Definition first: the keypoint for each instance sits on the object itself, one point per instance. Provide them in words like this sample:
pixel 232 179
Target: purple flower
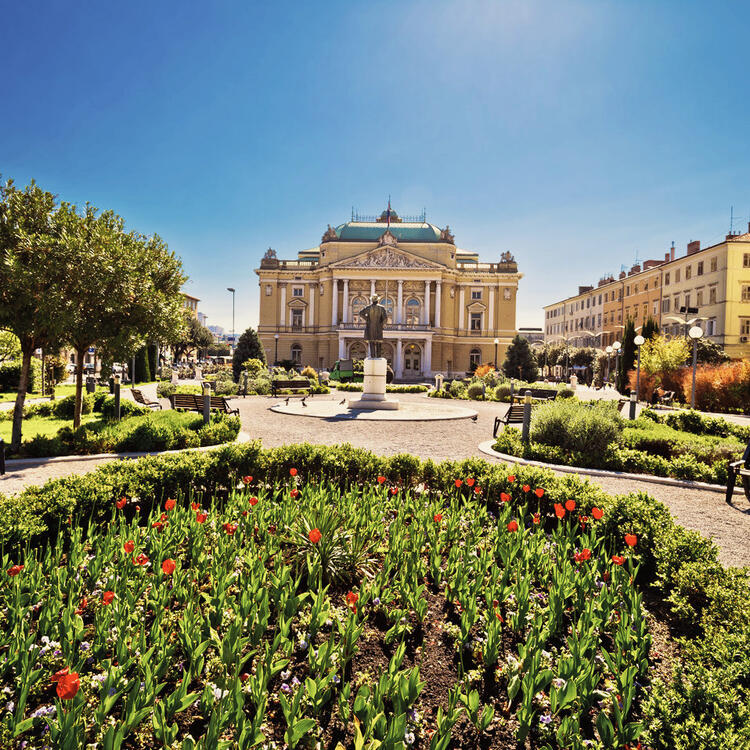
pixel 295 682
pixel 285 688
pixel 545 718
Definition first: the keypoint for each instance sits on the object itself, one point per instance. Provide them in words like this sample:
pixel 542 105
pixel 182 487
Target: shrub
pixel 575 427
pixel 261 386
pixel 222 429
pixel 226 388
pixel 254 367
pixel 165 389
pixel 127 408
pixel 476 390
pixel 502 392
pixel 10 375
pixel 457 389
pixel 565 393
pixel 724 387
pixel 412 388
pixel 65 407
pixel 309 372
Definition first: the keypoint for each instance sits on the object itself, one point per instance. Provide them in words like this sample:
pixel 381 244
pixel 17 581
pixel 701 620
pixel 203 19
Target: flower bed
pixel 346 597
pixel 682 445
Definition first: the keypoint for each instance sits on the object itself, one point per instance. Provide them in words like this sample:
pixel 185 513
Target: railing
pixel 509 267
pixel 389 327
pixel 399 327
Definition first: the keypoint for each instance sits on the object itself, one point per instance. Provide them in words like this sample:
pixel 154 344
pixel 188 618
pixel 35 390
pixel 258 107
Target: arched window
pixel 475 359
pixel 297 354
pixel 72 358
pixel 357 350
pixel 357 304
pixel 413 307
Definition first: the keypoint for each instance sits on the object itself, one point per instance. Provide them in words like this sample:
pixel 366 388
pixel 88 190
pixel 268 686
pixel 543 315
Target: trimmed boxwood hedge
pixel 704 703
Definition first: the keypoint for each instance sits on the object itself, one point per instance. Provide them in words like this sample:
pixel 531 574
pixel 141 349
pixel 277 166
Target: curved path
pixel 703 511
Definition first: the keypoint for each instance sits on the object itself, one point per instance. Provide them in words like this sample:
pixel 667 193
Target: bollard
pixel 116 386
pixel 511 391
pixel 2 457
pixel 632 405
pixel 206 403
pixel 526 417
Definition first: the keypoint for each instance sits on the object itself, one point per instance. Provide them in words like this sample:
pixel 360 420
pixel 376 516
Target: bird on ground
pixel 303 401
pixel 474 418
pixel 287 400
pixel 343 401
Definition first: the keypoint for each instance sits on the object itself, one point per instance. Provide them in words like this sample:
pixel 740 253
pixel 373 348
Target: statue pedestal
pixel 373 393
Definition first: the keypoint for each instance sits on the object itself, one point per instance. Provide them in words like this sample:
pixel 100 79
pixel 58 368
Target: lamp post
pixel 231 289
pixel 695 333
pixel 639 341
pixel 497 341
pixel 616 345
pixel 276 349
pixel 609 354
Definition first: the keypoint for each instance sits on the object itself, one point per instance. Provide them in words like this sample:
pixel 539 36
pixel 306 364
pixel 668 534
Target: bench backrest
pixel 187 401
pixel 138 396
pixel 291 383
pixel 218 402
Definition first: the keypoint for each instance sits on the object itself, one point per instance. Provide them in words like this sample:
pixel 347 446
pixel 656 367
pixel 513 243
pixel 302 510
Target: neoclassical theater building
pixel 446 310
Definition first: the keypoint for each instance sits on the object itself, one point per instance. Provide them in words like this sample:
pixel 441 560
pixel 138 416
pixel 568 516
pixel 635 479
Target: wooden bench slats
pixel 289 385
pixel 141 399
pixel 194 402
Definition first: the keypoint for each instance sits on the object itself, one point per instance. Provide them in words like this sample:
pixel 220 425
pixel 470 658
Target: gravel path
pixel 704 511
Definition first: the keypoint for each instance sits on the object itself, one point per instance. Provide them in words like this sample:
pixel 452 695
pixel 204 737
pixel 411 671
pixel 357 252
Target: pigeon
pixel 303 401
pixel 474 418
pixel 287 400
pixel 343 401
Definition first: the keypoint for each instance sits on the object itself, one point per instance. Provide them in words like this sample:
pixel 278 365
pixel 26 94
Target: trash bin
pixel 90 385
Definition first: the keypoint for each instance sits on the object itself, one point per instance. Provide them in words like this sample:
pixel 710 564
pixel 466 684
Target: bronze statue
pixel 375 316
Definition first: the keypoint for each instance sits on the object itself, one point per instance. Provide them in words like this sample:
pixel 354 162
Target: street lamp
pixel 276 349
pixel 497 341
pixel 616 345
pixel 695 333
pixel 231 289
pixel 609 351
pixel 639 341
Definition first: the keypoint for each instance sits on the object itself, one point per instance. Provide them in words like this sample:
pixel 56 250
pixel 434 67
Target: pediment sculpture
pixel 385 257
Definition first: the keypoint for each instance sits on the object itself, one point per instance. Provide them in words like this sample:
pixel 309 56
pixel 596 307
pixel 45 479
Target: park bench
pixel 140 399
pixel 514 414
pixel 289 385
pixel 194 402
pixel 739 468
pixel 666 398
pixel 537 394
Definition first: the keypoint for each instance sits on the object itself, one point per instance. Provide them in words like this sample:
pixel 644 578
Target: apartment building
pixel 715 280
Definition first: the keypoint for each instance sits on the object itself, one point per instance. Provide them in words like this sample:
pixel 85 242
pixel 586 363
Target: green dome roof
pixel 360 231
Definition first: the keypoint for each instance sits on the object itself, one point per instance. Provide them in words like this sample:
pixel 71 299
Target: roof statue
pixel 388 239
pixel 270 254
pixel 446 235
pixel 269 260
pixel 330 235
pixel 507 258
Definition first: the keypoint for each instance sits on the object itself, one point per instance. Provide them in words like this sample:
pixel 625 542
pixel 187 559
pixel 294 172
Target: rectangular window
pixel 710 326
pixel 476 321
pixel 635 289
pixel 297 291
pixel 665 304
pixel 656 308
pixel 666 278
pixel 296 318
pixel 688 272
pixel 746 260
pixel 645 287
pixel 687 299
pixel 599 324
pixel 269 290
pixel 676 302
pixel 476 294
pixel 606 296
pixel 600 299
pixel 745 327
pixel 712 295
pixel 627 290
pixel 746 292
pixel 677 276
pixel 699 298
pixel 715 263
pixel 700 269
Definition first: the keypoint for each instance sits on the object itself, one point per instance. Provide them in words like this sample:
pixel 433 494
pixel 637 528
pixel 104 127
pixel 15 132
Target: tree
pixel 142 366
pixel 627 355
pixel 710 353
pixel 192 335
pixel 520 361
pixel 662 359
pixel 10 346
pixel 248 347
pixel 650 328
pixel 33 270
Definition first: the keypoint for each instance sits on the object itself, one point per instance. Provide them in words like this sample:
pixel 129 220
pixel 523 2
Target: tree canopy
pixel 248 347
pixel 520 361
pixel 193 335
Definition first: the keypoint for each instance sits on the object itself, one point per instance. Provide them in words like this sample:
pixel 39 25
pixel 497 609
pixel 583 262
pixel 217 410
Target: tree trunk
pixel 79 388
pixel 23 383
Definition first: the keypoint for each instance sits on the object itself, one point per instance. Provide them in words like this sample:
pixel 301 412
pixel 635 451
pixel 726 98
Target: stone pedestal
pixel 373 393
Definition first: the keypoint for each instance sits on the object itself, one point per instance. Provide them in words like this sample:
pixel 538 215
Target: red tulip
pixel 108 596
pixel 59 674
pixel 618 559
pixel 247 479
pixel 438 517
pixel 169 505
pixel 245 676
pixel 314 536
pixel 244 513
pixel 138 508
pixel 458 482
pixel 504 497
pixel 470 481
pixel 539 492
pixel 158 525
pixel 570 505
pixel 230 528
pixel 129 546
pixel 597 513
pixel 15 570
pixel 559 511
pixel 168 566
pixel 477 490
pixel 537 518
pixel 201 517
pixel 272 528
pixel 381 479
pixel 351 599
pixel 584 554
pixel 513 526
pixel 294 492
pixel 605 576
pixel 631 540
pixel 82 606
pixel 293 472
pixel 394 490
pixel 68 686
pixel 121 503
pixel 584 520
pixel 526 488
pixel 140 560
pixel 253 500
pixel 195 506
pixel 511 477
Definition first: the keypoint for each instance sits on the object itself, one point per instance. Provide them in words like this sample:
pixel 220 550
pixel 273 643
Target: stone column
pixel 461 309
pixel 372 287
pixel 282 304
pixel 427 359
pixel 345 303
pixel 491 312
pixel 335 303
pixel 311 313
pixel 398 365
pixel 342 348
pixel 438 295
pixel 426 310
pixel 400 303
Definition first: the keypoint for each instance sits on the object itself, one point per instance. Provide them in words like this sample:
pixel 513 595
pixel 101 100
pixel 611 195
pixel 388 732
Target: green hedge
pixel 703 703
pixel 10 374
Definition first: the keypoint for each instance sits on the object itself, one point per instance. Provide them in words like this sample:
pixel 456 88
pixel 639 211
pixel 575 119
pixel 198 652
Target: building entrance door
pixel 412 361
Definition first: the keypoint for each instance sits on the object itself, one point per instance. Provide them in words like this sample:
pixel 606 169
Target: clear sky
pixel 573 134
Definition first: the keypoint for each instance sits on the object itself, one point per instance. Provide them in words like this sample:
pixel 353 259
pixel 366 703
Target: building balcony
pixel 391 328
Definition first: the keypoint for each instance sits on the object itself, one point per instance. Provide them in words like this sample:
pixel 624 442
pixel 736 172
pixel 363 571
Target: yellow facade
pixel 445 308
pixel 715 279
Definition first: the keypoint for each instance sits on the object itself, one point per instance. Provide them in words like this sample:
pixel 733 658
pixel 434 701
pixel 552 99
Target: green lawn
pixel 47 426
pixel 66 389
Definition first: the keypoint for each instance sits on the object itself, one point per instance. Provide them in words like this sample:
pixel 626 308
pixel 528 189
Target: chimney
pixel 584 289
pixel 635 269
pixel 651 264
pixel 671 252
pixel 666 257
pixel 693 247
pixel 622 275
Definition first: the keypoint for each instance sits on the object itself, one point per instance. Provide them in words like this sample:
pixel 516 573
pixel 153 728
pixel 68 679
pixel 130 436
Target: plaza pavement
pixel 704 511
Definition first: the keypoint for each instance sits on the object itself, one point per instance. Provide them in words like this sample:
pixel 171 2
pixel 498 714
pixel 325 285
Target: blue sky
pixel 574 134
